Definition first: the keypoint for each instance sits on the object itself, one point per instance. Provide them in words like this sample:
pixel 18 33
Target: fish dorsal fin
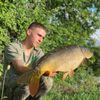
pixel 71 73
pixel 65 75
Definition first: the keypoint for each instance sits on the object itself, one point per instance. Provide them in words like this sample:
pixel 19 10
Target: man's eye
pixel 39 35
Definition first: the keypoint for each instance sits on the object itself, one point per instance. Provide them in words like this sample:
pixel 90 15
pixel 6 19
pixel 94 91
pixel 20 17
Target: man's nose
pixel 40 39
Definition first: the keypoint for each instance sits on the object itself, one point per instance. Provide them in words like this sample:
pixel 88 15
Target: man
pixel 21 56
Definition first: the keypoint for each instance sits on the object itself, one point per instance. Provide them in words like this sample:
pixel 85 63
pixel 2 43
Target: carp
pixel 65 59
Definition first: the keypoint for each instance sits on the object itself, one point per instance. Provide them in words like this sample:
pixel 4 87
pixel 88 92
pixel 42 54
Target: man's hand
pixel 19 66
pixel 50 74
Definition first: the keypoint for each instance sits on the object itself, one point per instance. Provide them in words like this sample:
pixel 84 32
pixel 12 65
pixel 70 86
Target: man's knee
pixel 46 83
pixel 21 93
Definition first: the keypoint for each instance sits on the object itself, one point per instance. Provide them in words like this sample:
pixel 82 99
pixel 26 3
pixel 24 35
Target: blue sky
pixel 96 36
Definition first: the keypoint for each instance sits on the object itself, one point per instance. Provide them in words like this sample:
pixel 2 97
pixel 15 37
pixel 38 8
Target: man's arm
pixel 13 57
pixel 19 66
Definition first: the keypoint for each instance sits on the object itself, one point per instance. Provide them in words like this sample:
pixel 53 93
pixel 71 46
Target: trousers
pixel 21 92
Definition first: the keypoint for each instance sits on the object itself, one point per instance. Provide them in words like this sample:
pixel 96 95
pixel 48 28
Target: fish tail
pixel 34 85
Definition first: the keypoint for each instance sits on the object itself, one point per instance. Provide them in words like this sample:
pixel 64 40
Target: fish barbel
pixel 65 59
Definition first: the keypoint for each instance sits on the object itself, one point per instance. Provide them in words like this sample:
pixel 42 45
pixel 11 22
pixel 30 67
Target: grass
pixel 82 86
pixel 76 96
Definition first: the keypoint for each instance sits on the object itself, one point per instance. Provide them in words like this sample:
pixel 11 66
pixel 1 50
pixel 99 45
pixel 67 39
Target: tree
pixel 69 22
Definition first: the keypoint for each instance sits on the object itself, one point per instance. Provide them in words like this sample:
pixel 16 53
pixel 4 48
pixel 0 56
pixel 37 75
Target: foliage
pixel 0 69
pixel 69 22
pixel 96 62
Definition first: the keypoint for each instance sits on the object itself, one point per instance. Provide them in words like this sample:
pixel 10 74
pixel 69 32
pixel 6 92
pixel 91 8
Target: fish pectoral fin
pixel 34 85
pixel 65 75
pixel 46 73
pixel 50 73
pixel 71 73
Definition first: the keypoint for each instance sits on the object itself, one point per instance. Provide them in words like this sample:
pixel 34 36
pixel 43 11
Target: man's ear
pixel 28 32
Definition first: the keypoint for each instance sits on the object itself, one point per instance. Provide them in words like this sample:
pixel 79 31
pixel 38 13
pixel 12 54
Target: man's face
pixel 36 36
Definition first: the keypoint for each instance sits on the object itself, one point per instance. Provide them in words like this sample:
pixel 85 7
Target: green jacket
pixel 15 50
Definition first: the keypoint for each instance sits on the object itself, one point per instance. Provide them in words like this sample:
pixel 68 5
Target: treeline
pixel 69 22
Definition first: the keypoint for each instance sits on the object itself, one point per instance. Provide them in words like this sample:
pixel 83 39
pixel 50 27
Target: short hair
pixel 37 25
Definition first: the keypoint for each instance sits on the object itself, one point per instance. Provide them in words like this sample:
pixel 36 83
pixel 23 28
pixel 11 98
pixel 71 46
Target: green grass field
pixel 82 86
pixel 70 93
pixel 76 96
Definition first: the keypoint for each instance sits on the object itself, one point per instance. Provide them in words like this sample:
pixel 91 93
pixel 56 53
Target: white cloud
pixel 97 43
pixel 96 35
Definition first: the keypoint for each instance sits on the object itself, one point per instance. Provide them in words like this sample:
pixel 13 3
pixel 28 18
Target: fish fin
pixel 50 73
pixel 34 85
pixel 46 73
pixel 25 78
pixel 65 75
pixel 71 73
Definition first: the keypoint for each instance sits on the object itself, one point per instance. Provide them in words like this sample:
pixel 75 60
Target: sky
pixel 96 36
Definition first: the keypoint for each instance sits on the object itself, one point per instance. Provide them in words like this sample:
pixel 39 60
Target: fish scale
pixel 65 59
